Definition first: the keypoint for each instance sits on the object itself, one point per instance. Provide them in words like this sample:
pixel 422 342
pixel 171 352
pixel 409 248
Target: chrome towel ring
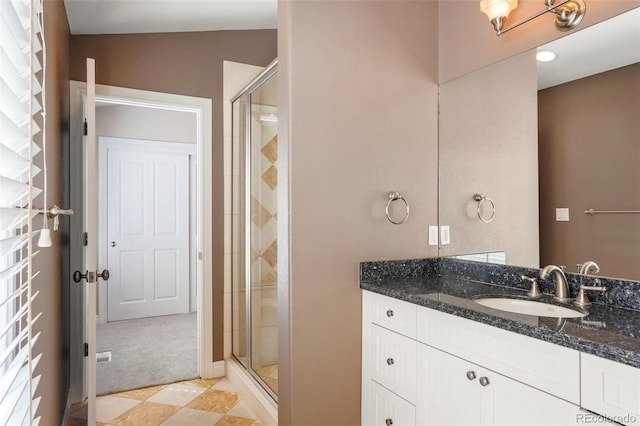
pixel 394 196
pixel 480 199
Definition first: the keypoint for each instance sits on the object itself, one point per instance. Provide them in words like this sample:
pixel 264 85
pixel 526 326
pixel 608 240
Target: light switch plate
pixel 433 235
pixel 445 237
pixel 562 214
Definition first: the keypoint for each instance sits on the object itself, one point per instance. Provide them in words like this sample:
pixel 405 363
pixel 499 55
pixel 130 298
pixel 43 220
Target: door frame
pixel 105 143
pixel 202 107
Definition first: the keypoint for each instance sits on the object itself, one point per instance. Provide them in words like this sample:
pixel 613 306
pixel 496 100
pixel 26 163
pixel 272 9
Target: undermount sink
pixel 529 307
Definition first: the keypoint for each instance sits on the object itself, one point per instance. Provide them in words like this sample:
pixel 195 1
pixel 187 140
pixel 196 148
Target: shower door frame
pixel 269 72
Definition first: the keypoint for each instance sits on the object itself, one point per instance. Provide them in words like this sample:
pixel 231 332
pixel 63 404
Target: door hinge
pixel 86 127
pixel 86 349
pixel 86 239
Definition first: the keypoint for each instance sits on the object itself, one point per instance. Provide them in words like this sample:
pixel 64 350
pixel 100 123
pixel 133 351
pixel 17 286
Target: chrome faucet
pixel 562 287
pixel 588 267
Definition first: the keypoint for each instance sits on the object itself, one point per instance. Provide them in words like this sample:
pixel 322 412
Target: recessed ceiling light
pixel 545 56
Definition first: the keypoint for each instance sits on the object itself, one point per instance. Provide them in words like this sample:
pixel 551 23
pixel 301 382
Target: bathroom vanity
pixel 433 356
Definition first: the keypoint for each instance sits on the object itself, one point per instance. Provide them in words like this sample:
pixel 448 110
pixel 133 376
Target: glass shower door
pixel 254 238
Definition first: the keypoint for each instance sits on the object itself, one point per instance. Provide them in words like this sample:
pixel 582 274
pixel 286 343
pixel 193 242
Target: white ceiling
pixel 610 44
pixel 158 16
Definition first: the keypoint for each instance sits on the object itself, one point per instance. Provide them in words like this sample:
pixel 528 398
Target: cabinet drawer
pixel 392 359
pixel 394 314
pixel 387 408
pixel 611 389
pixel 542 365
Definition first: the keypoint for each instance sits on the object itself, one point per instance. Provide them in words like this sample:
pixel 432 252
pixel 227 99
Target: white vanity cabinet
pixel 452 391
pixel 424 367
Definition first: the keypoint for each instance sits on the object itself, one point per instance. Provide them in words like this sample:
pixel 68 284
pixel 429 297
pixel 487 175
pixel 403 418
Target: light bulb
pixel 498 11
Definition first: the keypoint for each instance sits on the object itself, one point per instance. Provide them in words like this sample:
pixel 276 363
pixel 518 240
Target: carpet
pixel 147 352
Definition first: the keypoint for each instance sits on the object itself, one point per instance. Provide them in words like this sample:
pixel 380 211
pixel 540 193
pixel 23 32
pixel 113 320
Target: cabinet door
pixel 611 389
pixel 389 409
pixel 392 359
pixel 448 392
pixel 506 402
pixel 452 391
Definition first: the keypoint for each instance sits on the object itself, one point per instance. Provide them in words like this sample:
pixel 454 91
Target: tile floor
pixel 192 402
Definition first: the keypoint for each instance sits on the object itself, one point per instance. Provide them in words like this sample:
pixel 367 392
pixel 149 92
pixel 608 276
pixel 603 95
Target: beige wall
pixel 135 122
pixel 358 119
pixel 186 64
pixel 589 158
pixel 53 300
pixel 468 41
pixel 489 145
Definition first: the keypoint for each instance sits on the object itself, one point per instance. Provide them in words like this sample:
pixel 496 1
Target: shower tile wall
pixel 264 236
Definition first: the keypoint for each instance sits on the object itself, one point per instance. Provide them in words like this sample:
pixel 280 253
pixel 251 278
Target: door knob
pixel 104 274
pixel 471 375
pixel 484 381
pixel 113 244
pixel 79 276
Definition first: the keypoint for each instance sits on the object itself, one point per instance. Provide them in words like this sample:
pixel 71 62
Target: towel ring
pixel 481 199
pixel 393 196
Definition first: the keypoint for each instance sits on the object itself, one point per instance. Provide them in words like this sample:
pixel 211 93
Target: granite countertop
pixel 607 331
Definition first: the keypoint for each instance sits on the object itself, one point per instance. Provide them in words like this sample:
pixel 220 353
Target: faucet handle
pixel 535 290
pixel 583 299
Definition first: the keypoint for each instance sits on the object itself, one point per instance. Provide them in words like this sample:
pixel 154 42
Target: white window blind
pixel 20 89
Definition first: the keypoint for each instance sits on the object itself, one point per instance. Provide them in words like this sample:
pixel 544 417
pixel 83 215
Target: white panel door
pixel 148 234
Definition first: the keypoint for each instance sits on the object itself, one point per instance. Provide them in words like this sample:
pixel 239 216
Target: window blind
pixel 21 43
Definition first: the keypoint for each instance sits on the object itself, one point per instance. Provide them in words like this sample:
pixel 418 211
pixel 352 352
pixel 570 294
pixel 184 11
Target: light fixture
pixel 545 56
pixel 569 13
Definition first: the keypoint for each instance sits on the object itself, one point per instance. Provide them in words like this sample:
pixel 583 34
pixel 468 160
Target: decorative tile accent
pixel 270 255
pixel 271 277
pixel 146 413
pixel 270 149
pixel 259 215
pixel 214 400
pixel 270 177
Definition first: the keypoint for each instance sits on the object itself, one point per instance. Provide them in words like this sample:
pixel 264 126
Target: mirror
pixel 542 154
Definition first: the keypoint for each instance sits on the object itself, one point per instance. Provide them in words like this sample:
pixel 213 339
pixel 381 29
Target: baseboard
pixel 262 405
pixel 67 408
pixel 213 369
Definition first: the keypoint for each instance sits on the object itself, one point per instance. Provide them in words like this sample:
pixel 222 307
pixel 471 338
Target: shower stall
pixel 254 241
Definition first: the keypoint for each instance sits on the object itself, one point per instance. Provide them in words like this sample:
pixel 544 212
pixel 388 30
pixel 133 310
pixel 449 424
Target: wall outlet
pixel 562 214
pixel 445 236
pixel 433 235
